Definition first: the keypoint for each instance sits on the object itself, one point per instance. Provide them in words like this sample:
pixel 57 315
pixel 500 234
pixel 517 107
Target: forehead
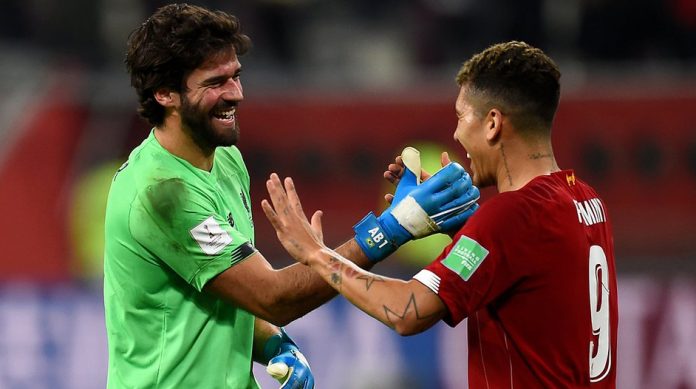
pixel 463 99
pixel 223 62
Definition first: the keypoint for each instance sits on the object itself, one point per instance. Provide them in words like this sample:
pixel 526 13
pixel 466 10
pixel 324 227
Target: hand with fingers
pixel 397 169
pixel 299 237
pixel 441 203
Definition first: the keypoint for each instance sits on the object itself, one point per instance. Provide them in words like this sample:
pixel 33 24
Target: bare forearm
pixel 277 296
pixel 307 290
pixel 406 307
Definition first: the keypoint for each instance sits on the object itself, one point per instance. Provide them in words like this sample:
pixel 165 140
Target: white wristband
pixel 413 218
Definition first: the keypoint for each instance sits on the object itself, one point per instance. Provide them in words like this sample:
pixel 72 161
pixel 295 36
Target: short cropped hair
pixel 173 42
pixel 519 79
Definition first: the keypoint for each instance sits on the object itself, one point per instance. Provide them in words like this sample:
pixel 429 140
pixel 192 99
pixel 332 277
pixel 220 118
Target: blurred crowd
pixel 396 39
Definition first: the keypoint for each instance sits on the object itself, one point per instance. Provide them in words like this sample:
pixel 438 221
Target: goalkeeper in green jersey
pixel 189 301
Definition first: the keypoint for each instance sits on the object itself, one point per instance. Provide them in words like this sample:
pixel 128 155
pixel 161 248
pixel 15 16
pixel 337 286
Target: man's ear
pixel 494 125
pixel 167 97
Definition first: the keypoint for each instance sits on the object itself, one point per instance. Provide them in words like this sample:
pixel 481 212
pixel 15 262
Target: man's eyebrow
pixel 220 78
pixel 214 80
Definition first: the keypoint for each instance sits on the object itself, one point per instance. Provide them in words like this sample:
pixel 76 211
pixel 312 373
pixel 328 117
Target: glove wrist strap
pixel 373 239
pixel 274 345
pixel 271 347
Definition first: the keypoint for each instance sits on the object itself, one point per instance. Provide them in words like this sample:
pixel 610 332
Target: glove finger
pixel 459 203
pixel 302 378
pixel 450 213
pixel 457 191
pixel 454 213
pixel 297 379
pixel 460 180
pixel 458 220
pixel 277 370
pixel 445 176
pixel 292 384
pixel 411 159
pixel 439 190
pixel 310 382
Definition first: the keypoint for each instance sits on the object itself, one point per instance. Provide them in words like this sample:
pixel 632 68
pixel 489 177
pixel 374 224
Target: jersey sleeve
pixel 476 268
pixel 178 224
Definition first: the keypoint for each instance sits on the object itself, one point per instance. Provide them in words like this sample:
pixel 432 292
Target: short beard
pixel 197 123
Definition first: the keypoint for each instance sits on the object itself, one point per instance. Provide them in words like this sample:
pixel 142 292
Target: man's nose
pixel 233 90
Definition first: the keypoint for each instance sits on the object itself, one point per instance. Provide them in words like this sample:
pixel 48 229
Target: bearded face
pixel 209 101
pixel 210 127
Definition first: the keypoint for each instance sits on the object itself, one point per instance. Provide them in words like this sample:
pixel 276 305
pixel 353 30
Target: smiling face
pixel 210 99
pixel 472 131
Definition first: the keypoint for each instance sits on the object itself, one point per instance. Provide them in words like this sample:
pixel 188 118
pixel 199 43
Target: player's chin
pixel 476 178
pixel 226 135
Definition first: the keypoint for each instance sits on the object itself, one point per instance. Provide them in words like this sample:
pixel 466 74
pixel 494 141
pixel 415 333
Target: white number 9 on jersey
pixel 600 352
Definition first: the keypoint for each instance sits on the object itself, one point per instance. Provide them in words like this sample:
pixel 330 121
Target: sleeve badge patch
pixel 465 257
pixel 210 236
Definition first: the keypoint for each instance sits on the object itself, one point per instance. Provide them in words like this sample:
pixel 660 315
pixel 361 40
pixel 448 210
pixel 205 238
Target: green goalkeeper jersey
pixel 170 228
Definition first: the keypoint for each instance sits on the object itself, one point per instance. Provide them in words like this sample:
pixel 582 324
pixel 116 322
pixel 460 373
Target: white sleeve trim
pixel 429 279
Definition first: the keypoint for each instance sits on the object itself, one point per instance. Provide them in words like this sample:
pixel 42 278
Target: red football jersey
pixel 533 270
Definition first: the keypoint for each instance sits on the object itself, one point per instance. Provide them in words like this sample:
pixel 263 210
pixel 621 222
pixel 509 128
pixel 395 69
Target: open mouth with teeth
pixel 227 114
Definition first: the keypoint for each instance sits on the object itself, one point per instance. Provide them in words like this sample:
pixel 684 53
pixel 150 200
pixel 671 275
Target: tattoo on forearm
pixel 505 162
pixel 336 268
pixel 369 280
pixel 351 272
pixel 410 306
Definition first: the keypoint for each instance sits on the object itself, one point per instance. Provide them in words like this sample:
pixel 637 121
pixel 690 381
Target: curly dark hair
pixel 173 42
pixel 518 78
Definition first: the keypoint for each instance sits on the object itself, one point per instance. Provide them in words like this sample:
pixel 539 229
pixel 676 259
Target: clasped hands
pixel 442 202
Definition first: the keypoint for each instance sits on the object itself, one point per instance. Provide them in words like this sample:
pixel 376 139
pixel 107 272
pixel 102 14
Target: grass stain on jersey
pixel 166 197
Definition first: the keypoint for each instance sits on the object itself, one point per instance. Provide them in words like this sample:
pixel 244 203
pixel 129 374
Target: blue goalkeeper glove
pixel 286 363
pixel 442 203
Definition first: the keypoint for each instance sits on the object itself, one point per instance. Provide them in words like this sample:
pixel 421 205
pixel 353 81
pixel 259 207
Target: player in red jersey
pixel 532 269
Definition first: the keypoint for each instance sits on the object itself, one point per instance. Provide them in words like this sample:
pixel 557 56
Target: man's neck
pixel 174 140
pixel 520 162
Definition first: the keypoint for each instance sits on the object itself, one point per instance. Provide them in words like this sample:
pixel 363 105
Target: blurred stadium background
pixel 334 89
